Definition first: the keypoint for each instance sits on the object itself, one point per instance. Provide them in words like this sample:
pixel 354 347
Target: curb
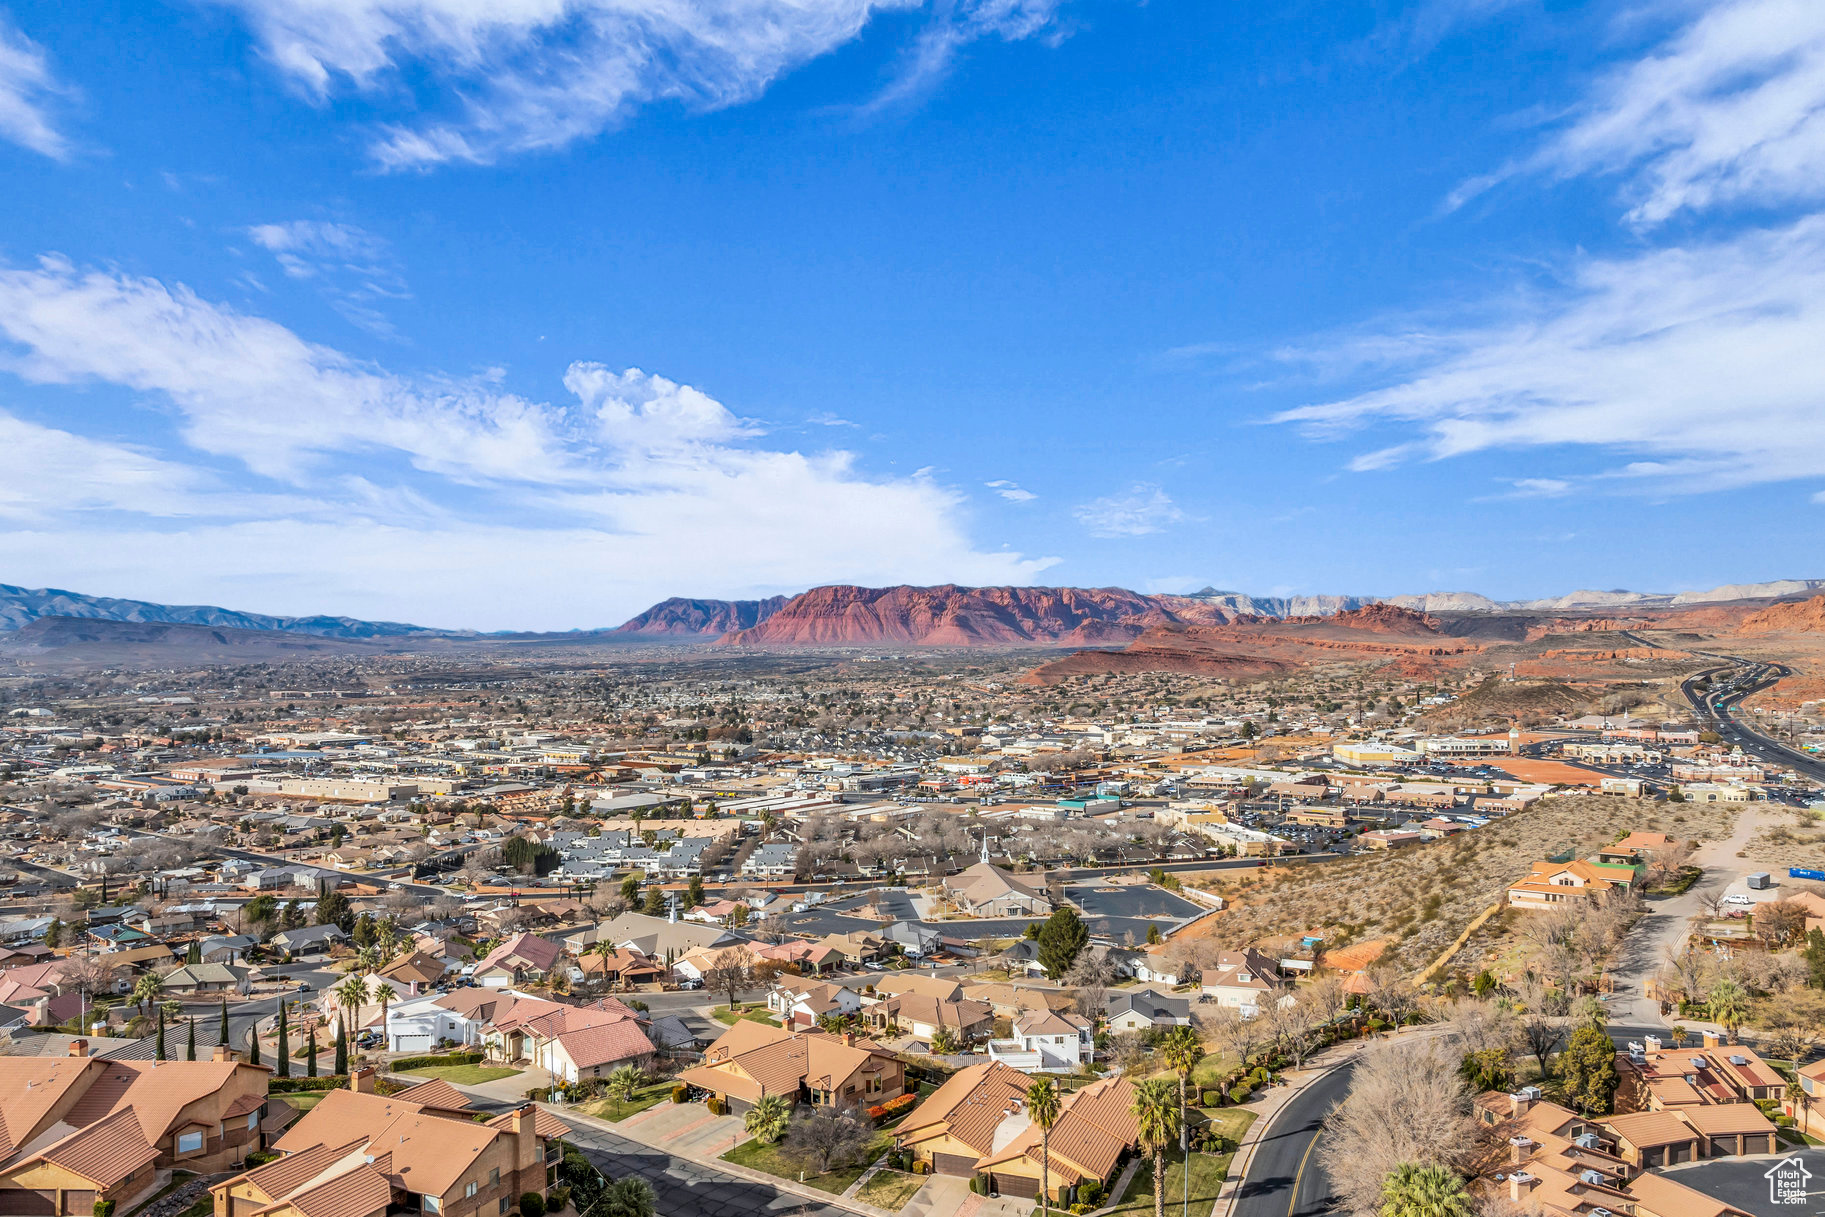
pixel 1245 1153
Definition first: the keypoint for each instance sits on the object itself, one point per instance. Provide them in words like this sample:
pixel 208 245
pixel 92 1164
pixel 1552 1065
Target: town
pixel 895 933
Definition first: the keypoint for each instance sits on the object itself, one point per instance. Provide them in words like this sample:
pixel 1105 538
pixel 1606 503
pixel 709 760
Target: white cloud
pixel 411 491
pixel 27 87
pixel 1011 491
pixel 1706 364
pixel 1143 509
pixel 540 74
pixel 1540 488
pixel 354 269
pixel 1730 109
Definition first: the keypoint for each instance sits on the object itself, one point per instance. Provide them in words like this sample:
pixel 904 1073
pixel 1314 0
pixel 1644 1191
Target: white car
pixel 1738 899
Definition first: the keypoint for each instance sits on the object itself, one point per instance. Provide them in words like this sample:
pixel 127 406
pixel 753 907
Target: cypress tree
pixel 253 1045
pixel 284 1049
pixel 160 1047
pixel 310 1059
pixel 190 1048
pixel 223 1033
pixel 342 1047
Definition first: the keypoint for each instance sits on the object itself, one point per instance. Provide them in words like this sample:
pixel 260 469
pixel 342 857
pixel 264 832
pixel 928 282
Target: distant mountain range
pixel 20 606
pixel 841 615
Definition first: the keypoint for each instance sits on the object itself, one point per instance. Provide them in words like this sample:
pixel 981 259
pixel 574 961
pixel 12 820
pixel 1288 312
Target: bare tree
pixel 1088 980
pixel 1406 1104
pixel 828 1138
pixel 731 973
pixel 1543 1018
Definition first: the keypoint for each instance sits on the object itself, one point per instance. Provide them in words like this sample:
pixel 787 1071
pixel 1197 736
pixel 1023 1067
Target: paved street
pixel 1284 1177
pixel 1744 1182
pixel 689 1189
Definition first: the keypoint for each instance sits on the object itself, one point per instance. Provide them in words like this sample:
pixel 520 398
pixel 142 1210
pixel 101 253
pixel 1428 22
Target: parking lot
pixel 1128 901
pixel 1745 1182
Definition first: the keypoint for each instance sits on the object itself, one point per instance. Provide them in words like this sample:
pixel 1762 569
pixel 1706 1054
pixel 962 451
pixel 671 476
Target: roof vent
pixel 1591 1177
pixel 1587 1140
pixel 1698 1062
pixel 1739 1060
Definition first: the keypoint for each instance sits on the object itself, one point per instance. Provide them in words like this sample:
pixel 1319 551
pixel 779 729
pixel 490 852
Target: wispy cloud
pixel 1142 509
pixel 28 89
pixel 354 269
pixel 1011 491
pixel 539 74
pixel 1706 364
pixel 1729 110
pixel 633 487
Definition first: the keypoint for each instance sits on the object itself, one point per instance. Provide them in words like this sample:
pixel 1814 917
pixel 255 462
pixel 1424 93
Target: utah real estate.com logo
pixel 1787 1181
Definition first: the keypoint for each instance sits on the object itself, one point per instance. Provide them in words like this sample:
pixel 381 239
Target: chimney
pixel 849 1039
pixel 1713 1040
pixel 1519 1184
pixel 1521 1147
pixel 224 1053
pixel 79 1047
pixel 526 1142
pixel 362 1080
pixel 1651 1042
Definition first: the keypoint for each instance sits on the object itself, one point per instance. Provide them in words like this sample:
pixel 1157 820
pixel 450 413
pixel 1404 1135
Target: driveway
pixel 1745 1182
pixel 942 1196
pixel 684 1128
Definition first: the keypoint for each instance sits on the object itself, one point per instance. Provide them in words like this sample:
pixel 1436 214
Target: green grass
pixel 772 1160
pixel 1206 1181
pixel 614 1110
pixel 1216 1066
pixel 890 1189
pixel 1231 1122
pixel 462 1075
pixel 754 1014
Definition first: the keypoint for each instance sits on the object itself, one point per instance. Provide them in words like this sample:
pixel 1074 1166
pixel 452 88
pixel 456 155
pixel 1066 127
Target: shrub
pixel 1080 1208
pixel 104 1208
pixel 292 1085
pixel 1210 1098
pixel 532 1205
pixel 680 1093
pixel 893 1107
pixel 1090 1193
pixel 559 1197
pixel 425 1062
pixel 1238 1094
pixel 717 1106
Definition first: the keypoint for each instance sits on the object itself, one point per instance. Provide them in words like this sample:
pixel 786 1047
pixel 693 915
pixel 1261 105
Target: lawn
pixel 1207 1172
pixel 772 1159
pixel 890 1189
pixel 645 1097
pixel 754 1014
pixel 1231 1122
pixel 461 1075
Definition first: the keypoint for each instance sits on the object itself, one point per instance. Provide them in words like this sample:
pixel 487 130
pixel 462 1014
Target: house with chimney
pixel 751 1060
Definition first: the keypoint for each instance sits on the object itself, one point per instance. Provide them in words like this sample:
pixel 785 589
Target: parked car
pixel 691 982
pixel 1736 898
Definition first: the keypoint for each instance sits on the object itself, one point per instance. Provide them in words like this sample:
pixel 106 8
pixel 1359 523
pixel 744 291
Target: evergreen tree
pixel 190 1046
pixel 195 954
pixel 159 1048
pixel 342 1048
pixel 695 895
pixel 310 1053
pixel 283 1052
pixel 1588 1066
pixel 1060 939
pixel 630 889
pixel 1814 955
pixel 333 909
pixel 222 1033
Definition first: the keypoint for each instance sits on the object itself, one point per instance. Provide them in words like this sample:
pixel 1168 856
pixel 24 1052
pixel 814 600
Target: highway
pixel 1735 679
pixel 1284 1177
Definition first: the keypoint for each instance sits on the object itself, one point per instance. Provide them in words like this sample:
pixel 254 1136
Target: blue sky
pixel 369 306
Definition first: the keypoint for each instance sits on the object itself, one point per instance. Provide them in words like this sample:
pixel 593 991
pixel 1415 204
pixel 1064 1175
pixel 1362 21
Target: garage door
pixel 27 1202
pixel 1679 1153
pixel 953 1164
pixel 1760 1144
pixel 1016 1185
pixel 1653 1157
pixel 1723 1147
pixel 78 1202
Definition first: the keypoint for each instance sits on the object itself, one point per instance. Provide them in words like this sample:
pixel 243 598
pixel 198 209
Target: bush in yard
pixel 532 1205
pixel 680 1093
pixel 427 1062
pixel 104 1208
pixel 1238 1094
pixel 1210 1098
pixel 559 1197
pixel 1090 1193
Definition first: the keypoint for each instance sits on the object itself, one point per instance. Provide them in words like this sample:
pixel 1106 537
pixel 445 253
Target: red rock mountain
pixel 1789 617
pixel 682 617
pixel 968 616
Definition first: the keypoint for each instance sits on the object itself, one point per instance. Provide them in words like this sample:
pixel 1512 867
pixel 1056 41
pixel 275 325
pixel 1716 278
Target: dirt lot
pixel 1422 897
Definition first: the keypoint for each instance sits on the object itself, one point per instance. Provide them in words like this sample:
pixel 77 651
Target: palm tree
pixel 766 1121
pixel 623 1082
pixel 1729 1006
pixel 944 1043
pixel 1182 1052
pixel 147 990
pixel 383 997
pixel 351 995
pixel 1159 1127
pixel 1042 1109
pixel 1412 1190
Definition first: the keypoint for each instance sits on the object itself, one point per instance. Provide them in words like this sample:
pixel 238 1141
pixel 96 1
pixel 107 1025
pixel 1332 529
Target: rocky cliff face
pixel 682 617
pixel 958 616
pixel 1792 617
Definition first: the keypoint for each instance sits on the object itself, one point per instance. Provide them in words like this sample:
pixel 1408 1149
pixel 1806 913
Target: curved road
pixel 1717 706
pixel 1284 1177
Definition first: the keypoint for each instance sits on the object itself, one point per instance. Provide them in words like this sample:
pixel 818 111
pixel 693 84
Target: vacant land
pixel 1419 899
pixel 889 1190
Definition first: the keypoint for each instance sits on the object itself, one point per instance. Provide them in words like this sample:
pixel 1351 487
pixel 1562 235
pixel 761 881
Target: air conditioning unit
pixel 1595 1177
pixel 1739 1061
pixel 1588 1140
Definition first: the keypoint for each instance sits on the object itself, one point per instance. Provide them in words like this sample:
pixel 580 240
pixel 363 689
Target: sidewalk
pixel 791 1187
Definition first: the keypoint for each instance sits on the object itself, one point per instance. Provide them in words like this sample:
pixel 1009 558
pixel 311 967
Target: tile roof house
pixel 800 1002
pixel 521 958
pixel 1246 981
pixel 1553 884
pixel 1046 1041
pixel 753 1059
pixel 955 1126
pixel 357 1154
pixel 76 1129
pixel 922 1016
pixel 1095 1131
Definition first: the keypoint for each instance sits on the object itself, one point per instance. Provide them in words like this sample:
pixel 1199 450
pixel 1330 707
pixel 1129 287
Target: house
pixel 309 942
pixel 620 967
pixel 751 1060
pixel 800 1002
pixel 1145 1009
pixel 983 890
pixel 1554 884
pixel 1634 849
pixel 1659 1079
pixel 80 1129
pixel 226 949
pixel 653 937
pixel 1246 981
pixel 941 988
pixel 521 958
pixel 955 1127
pixel 208 978
pixel 415 969
pixel 857 947
pixel 357 1154
pixel 1095 1133
pixel 774 860
pixel 1046 1041
pixel 569 1042
pixel 914 940
pixel 923 1017
pixel 1654 1138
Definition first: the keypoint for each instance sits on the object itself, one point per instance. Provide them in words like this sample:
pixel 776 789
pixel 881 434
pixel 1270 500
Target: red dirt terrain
pixel 1253 647
pixel 1790 617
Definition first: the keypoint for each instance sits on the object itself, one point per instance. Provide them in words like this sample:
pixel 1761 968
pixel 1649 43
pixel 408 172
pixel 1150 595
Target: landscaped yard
pixel 773 1160
pixel 755 1014
pixel 889 1189
pixel 461 1075
pixel 645 1097
pixel 1207 1172
pixel 1231 1122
